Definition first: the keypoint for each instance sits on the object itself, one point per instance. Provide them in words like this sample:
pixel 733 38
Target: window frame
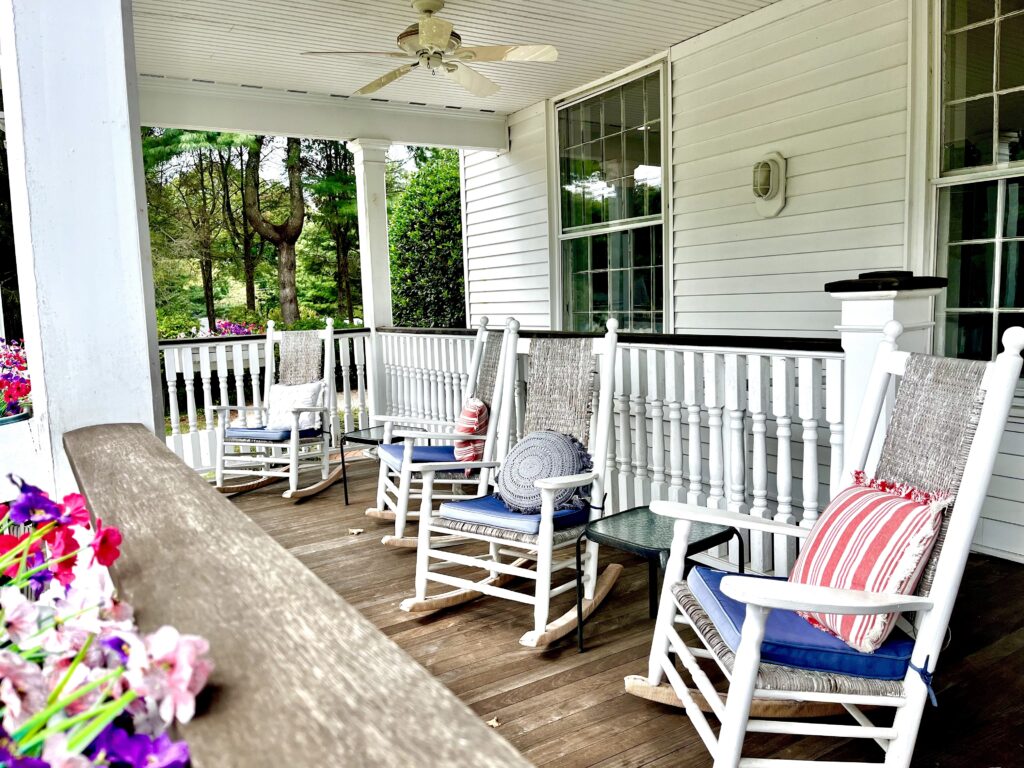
pixel 560 304
pixel 940 180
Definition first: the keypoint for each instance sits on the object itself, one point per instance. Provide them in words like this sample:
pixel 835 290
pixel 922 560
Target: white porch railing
pixel 230 370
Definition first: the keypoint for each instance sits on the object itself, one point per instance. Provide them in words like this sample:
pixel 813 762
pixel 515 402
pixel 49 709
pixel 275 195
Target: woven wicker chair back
pixel 560 386
pixel 931 429
pixel 301 357
pixel 487 377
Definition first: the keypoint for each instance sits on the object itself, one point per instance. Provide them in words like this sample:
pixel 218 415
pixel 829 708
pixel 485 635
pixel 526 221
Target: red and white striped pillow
pixel 875 537
pixel 472 421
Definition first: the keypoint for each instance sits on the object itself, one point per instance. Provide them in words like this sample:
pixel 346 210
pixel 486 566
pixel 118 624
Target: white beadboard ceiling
pixel 257 43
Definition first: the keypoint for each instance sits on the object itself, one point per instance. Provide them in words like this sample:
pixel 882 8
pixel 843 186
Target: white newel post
pixel 868 303
pixel 374 255
pixel 80 225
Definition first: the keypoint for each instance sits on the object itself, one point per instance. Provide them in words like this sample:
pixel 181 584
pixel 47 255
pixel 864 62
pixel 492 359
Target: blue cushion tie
pixel 926 678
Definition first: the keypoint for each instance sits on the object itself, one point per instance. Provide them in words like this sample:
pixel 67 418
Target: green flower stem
pixel 56 692
pixel 57 706
pixel 88 733
pixel 12 555
pixel 44 566
pixel 64 725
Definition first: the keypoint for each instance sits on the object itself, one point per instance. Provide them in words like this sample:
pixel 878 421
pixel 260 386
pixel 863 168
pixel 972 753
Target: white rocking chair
pixel 560 396
pixel 248 448
pixel 943 436
pixel 399 482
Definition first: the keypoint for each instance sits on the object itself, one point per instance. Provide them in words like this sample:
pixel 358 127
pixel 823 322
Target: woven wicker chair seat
pixel 562 537
pixel 772 677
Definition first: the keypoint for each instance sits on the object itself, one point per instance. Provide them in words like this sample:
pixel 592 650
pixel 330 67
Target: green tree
pixel 426 247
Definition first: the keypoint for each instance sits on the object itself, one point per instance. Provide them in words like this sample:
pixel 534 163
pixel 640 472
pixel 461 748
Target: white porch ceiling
pixel 257 43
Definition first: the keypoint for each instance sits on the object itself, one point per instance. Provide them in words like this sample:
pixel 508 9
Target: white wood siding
pixel 506 228
pixel 826 86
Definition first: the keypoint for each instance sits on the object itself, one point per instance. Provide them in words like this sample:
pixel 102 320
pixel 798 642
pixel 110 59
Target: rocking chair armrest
pixel 413 434
pixel 452 466
pixel 311 409
pixel 568 481
pixel 698 514
pixel 225 408
pixel 789 596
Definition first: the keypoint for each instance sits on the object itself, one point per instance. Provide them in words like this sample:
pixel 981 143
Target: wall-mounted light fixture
pixel 769 184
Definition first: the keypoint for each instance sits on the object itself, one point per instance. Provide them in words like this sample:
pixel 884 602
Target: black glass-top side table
pixel 640 531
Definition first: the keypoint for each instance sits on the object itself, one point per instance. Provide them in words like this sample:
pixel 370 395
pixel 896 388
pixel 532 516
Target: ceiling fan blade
pixel 508 53
pixel 389 54
pixel 390 77
pixel 435 32
pixel 472 80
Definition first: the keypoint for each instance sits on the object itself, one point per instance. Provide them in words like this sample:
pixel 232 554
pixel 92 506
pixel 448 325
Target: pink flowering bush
pixel 15 387
pixel 80 685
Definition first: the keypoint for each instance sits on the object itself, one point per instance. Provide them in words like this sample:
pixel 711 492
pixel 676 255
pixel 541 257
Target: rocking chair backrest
pixel 565 374
pixel 302 357
pixel 943 437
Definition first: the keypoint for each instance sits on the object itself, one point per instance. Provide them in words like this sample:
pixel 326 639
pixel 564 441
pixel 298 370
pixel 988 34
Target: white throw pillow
pixel 284 397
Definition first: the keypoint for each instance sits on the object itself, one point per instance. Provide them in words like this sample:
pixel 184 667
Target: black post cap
pixel 886 280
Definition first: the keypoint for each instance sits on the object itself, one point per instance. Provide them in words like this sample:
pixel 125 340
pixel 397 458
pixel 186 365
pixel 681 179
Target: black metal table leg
pixel 344 469
pixel 742 554
pixel 579 594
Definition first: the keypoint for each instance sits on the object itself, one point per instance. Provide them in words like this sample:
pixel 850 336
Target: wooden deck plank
pixel 562 708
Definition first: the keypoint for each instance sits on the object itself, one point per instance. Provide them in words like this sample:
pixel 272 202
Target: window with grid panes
pixel 981 211
pixel 610 175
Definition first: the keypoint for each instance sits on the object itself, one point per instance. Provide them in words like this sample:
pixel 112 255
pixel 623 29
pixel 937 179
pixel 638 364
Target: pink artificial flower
pixel 21 617
pixel 62 544
pixel 55 752
pixel 177 672
pixel 23 689
pixel 106 545
pixel 75 511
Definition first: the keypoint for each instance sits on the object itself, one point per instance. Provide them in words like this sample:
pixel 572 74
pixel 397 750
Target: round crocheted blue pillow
pixel 538 456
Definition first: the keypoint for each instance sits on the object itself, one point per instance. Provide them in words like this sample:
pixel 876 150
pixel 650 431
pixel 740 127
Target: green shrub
pixel 426 247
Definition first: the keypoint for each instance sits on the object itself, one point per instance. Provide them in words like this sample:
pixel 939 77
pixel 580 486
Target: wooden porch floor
pixel 561 707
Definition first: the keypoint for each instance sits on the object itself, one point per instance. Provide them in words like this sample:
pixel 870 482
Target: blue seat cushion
pixel 492 511
pixel 393 453
pixel 791 641
pixel 269 435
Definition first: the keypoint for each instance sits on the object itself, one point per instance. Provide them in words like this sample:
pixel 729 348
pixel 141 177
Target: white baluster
pixel 693 393
pixel 834 417
pixel 238 363
pixel 345 356
pixel 782 403
pixel 208 440
pixel 714 386
pixel 638 416
pixel 360 355
pixel 810 400
pixel 171 376
pixel 254 377
pixel 625 441
pixel 188 372
pixel 757 404
pixel 419 385
pixel 448 358
pixel 655 377
pixel 735 406
pixel 674 393
pixel 437 410
pixel 221 351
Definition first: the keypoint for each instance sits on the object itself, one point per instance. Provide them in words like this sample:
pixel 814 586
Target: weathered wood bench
pixel 302 679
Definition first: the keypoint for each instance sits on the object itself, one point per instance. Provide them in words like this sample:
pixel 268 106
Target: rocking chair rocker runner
pixel 399 482
pixel 943 437
pixel 560 396
pixel 272 452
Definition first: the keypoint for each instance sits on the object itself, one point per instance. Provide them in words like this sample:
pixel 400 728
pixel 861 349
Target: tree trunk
pixel 342 276
pixel 249 265
pixel 206 271
pixel 286 282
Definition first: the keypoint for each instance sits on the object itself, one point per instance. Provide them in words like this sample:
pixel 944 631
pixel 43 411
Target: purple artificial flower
pixel 117 646
pixel 32 504
pixel 10 758
pixel 139 750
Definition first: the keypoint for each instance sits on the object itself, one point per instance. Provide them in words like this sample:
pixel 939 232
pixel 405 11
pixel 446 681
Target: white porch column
pixel 868 303
pixel 374 254
pixel 80 225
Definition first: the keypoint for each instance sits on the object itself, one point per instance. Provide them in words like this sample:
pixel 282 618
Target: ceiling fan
pixel 435 46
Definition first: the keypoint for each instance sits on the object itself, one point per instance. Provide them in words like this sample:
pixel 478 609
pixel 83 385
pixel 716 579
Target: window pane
pixel 642 246
pixel 1011 279
pixel 581 292
pixel 599 291
pixel 580 255
pixel 613 157
pixel 1011 52
pixel 1009 6
pixel 652 84
pixel 612 103
pixel 970 270
pixel 643 289
pixel 969 336
pixel 1013 222
pixel 959 13
pixel 1008 320
pixel 598 251
pixel 575 135
pixel 968 66
pixel 634 151
pixel 591 120
pixel 968 134
pixel 633 104
pixel 1011 126
pixel 618 250
pixel 619 279
pixel 972 211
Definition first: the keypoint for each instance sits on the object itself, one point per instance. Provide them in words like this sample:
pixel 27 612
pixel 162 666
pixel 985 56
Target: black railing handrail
pixel 813 345
pixel 248 337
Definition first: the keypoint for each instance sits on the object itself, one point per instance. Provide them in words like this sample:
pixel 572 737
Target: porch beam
pixel 212 106
pixel 80 224
pixel 374 254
